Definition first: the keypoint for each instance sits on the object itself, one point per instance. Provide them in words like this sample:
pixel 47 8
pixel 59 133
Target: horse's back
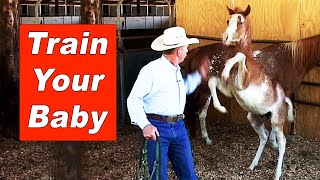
pixel 278 66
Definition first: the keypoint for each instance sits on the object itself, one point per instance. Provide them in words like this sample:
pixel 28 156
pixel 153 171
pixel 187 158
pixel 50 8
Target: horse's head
pixel 238 26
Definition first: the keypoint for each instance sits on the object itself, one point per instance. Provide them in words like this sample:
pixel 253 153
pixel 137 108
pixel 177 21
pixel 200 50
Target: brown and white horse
pixel 296 57
pixel 250 85
pixel 253 89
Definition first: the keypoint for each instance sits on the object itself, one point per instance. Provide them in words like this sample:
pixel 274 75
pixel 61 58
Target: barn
pixel 138 22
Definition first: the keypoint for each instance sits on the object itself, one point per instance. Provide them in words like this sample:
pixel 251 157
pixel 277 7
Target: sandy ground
pixel 229 156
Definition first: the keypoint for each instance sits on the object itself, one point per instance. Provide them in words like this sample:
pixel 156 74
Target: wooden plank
pixel 270 20
pixel 273 19
pixel 308 123
pixel 309 18
pixel 308 93
pixel 202 42
pixel 204 18
pixel 313 75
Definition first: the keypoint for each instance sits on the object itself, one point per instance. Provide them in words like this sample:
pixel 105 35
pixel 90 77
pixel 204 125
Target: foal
pixel 253 89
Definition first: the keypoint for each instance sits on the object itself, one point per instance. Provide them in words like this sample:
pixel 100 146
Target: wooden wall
pixel 270 20
pixel 275 20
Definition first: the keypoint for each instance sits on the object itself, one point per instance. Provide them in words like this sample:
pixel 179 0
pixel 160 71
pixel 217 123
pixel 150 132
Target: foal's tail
pixel 290 110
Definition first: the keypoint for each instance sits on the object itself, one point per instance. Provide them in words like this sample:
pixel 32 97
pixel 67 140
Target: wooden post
pixel 170 14
pixel 119 27
pixel 56 7
pixel 91 12
pixel 9 62
pixel 138 8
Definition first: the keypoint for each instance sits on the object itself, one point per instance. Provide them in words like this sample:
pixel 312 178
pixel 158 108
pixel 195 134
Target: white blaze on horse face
pixel 229 35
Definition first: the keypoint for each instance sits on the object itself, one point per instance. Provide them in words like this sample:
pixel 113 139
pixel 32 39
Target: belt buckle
pixel 170 119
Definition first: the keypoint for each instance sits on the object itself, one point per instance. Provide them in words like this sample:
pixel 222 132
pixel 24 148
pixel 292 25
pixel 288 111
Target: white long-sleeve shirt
pixel 160 89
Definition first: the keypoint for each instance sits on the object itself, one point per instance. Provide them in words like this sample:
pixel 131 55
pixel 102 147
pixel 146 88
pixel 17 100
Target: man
pixel 157 101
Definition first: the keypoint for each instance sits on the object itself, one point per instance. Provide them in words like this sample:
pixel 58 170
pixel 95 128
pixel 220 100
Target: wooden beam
pixel 56 8
pixel 138 7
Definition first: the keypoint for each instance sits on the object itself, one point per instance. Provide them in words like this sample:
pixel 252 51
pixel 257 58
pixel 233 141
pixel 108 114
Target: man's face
pixel 182 52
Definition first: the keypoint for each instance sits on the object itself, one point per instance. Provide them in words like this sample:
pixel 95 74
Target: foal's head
pixel 238 26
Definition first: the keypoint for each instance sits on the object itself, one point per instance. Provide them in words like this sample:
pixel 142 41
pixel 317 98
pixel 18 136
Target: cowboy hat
pixel 172 38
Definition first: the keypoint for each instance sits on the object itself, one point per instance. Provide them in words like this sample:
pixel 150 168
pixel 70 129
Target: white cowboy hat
pixel 172 38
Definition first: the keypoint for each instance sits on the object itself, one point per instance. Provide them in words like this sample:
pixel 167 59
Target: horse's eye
pixel 227 21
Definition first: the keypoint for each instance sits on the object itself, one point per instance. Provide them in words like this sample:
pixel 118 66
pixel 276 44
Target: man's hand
pixel 204 69
pixel 150 132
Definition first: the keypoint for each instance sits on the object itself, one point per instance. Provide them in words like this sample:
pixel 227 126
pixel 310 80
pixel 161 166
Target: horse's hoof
pixel 208 142
pixel 292 133
pixel 224 76
pixel 274 145
pixel 251 167
pixel 256 53
pixel 222 109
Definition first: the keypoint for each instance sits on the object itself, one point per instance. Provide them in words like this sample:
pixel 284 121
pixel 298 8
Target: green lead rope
pixel 143 171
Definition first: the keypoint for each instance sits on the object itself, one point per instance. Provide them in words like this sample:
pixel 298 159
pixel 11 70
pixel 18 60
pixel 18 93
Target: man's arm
pixel 192 81
pixel 135 104
pixel 140 89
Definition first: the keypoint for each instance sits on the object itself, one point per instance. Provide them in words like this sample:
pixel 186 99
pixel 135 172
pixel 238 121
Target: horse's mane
pixel 304 51
pixel 238 10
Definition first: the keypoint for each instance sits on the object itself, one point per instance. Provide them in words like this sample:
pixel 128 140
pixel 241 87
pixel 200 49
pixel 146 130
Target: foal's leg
pixel 272 139
pixel 263 133
pixel 230 63
pixel 277 121
pixel 202 118
pixel 212 83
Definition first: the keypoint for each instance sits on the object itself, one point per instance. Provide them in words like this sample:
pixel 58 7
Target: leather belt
pixel 165 118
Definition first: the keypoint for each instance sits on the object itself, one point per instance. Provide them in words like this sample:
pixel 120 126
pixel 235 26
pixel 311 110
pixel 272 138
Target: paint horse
pixel 249 79
pixel 297 57
pixel 253 89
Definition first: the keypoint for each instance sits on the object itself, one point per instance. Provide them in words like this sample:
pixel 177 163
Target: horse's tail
pixel 290 110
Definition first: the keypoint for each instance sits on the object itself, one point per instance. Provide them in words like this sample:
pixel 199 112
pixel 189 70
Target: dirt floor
pixel 229 156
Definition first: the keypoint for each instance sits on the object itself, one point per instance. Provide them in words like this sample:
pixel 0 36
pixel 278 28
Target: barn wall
pixel 204 17
pixel 270 20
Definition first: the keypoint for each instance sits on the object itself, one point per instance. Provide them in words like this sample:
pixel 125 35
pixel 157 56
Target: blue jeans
pixel 175 145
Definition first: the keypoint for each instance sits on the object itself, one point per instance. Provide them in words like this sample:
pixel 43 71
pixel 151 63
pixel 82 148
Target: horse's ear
pixel 247 11
pixel 230 10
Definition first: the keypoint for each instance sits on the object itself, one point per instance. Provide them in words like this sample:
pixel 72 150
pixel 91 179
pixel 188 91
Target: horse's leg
pixel 273 140
pixel 212 83
pixel 293 128
pixel 230 63
pixel 263 133
pixel 293 123
pixel 290 117
pixel 277 121
pixel 290 109
pixel 202 118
